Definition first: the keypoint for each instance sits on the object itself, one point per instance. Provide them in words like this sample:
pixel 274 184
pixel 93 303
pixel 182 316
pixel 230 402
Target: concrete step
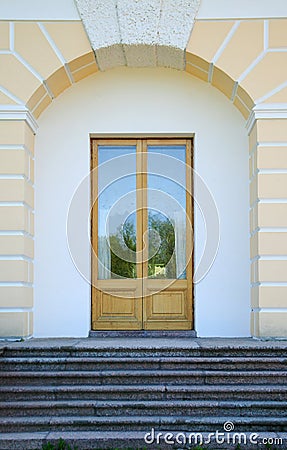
pixel 140 363
pixel 116 408
pixel 144 392
pixel 143 377
pixel 139 423
pixel 135 440
pixel 89 391
pixel 133 349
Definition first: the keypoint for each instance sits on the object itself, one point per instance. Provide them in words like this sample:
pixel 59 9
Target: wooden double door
pixel 141 232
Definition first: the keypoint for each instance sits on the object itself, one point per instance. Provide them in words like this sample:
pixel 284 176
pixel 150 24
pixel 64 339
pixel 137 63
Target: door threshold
pixel 144 334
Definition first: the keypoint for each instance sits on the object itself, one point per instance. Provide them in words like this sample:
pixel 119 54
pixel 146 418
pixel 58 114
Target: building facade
pixel 211 74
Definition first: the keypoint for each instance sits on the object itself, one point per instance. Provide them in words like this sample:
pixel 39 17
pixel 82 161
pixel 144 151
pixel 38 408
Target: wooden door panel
pixel 117 305
pixel 168 309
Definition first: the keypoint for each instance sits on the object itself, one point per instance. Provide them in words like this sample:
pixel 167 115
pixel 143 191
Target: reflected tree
pixel 161 242
pixel 123 248
pixel 161 237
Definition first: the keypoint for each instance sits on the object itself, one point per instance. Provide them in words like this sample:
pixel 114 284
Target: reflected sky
pixel 117 202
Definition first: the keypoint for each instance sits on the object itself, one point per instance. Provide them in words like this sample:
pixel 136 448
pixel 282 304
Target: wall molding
pixel 65 10
pixel 269 310
pixel 18 112
pixel 266 111
pixel 245 9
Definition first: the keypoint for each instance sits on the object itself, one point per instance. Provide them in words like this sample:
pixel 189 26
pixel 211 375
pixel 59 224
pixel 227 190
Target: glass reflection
pixel 167 216
pixel 121 243
pixel 116 226
pixel 161 240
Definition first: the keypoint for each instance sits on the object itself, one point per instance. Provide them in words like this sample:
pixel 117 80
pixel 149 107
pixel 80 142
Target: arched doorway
pixel 170 101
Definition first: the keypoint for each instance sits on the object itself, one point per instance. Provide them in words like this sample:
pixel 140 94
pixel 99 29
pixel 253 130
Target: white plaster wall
pixel 141 101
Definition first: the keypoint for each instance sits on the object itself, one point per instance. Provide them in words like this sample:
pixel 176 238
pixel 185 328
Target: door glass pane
pixel 167 211
pixel 116 212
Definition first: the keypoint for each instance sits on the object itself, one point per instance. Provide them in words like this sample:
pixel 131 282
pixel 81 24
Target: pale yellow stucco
pixel 246 60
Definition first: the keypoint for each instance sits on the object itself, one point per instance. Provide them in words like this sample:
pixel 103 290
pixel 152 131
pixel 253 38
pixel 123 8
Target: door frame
pixel 134 140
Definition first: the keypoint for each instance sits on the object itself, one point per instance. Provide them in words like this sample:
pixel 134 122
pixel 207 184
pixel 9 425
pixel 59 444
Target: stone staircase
pixel 104 393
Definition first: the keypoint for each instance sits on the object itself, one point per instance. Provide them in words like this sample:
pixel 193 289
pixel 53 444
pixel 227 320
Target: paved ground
pixel 134 343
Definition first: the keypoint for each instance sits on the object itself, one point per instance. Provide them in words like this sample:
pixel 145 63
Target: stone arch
pixel 86 65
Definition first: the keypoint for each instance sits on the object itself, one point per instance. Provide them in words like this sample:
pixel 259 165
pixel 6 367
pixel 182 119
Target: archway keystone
pixel 139 33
